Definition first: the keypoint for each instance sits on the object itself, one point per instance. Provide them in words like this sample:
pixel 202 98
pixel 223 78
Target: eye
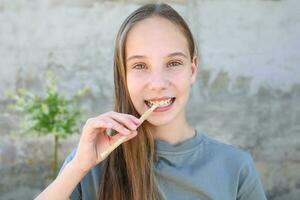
pixel 139 66
pixel 174 64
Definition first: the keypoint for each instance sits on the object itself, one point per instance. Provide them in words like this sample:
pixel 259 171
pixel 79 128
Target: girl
pixel 164 157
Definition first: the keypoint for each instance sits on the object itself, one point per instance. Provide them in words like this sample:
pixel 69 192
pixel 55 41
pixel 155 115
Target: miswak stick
pixel 123 138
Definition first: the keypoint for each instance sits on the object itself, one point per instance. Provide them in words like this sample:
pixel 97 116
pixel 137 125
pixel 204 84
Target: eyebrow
pixel 170 55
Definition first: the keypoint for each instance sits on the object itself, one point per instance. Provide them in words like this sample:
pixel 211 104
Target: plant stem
pixel 55 155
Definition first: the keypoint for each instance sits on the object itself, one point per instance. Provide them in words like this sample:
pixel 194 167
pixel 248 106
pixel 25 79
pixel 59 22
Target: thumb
pixel 115 141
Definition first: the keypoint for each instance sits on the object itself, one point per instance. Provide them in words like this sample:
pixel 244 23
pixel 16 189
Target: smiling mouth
pixel 161 103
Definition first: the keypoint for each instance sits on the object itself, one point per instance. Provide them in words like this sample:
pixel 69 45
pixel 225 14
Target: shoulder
pixel 88 188
pixel 68 159
pixel 71 155
pixel 92 171
pixel 240 165
pixel 228 153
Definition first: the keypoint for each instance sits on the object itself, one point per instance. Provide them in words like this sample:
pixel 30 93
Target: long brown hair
pixel 129 171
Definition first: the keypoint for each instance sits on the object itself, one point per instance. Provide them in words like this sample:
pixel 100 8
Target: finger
pixel 131 135
pixel 128 137
pixel 115 125
pixel 125 120
pixel 136 120
pixel 95 123
pixel 115 142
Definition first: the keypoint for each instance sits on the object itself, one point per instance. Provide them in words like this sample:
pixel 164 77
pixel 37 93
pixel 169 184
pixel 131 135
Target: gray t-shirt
pixel 199 168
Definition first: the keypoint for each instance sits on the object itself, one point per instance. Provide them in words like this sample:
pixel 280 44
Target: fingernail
pixel 135 127
pixel 126 131
pixel 137 120
pixel 109 124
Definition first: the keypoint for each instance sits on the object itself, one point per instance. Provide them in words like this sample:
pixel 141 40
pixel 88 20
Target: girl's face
pixel 159 69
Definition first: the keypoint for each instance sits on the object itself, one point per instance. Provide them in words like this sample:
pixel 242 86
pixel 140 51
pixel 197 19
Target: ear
pixel 194 69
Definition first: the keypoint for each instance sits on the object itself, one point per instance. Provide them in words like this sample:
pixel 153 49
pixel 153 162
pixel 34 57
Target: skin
pixel 159 64
pixel 93 141
pixel 165 75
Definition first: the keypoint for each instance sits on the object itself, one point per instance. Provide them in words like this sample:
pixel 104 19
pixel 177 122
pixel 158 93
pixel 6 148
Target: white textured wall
pixel 247 93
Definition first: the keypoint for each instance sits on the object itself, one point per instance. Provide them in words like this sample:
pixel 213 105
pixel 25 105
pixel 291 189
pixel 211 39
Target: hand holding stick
pixel 123 139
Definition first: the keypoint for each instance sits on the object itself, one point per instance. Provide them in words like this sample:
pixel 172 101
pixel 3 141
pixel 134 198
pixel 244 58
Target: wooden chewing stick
pixel 123 138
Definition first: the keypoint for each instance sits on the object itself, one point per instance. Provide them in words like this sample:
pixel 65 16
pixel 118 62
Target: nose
pixel 158 81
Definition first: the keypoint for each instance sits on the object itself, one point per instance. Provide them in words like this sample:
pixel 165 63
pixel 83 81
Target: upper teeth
pixel 161 103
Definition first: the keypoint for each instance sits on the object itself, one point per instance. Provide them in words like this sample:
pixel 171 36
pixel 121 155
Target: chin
pixel 159 121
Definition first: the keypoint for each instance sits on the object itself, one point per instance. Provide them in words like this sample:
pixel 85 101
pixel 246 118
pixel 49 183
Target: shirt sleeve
pixel 250 186
pixel 76 194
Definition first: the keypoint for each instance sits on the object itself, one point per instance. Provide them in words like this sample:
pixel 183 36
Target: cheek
pixel 134 85
pixel 182 81
pixel 181 78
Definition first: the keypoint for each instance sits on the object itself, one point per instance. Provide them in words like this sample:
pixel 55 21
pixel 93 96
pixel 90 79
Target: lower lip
pixel 165 108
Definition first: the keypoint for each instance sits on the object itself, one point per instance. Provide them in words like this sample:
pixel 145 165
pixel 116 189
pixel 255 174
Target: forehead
pixel 155 35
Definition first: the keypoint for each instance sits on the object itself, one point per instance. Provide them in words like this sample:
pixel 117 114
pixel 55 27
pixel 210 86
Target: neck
pixel 174 132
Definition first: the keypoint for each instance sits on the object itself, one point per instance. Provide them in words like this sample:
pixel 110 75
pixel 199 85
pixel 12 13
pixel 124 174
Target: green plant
pixel 51 114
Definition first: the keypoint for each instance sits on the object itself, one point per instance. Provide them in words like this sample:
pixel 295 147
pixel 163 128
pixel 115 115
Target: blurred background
pixel 247 93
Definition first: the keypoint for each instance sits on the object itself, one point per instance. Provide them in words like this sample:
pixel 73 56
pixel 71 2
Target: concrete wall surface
pixel 247 92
